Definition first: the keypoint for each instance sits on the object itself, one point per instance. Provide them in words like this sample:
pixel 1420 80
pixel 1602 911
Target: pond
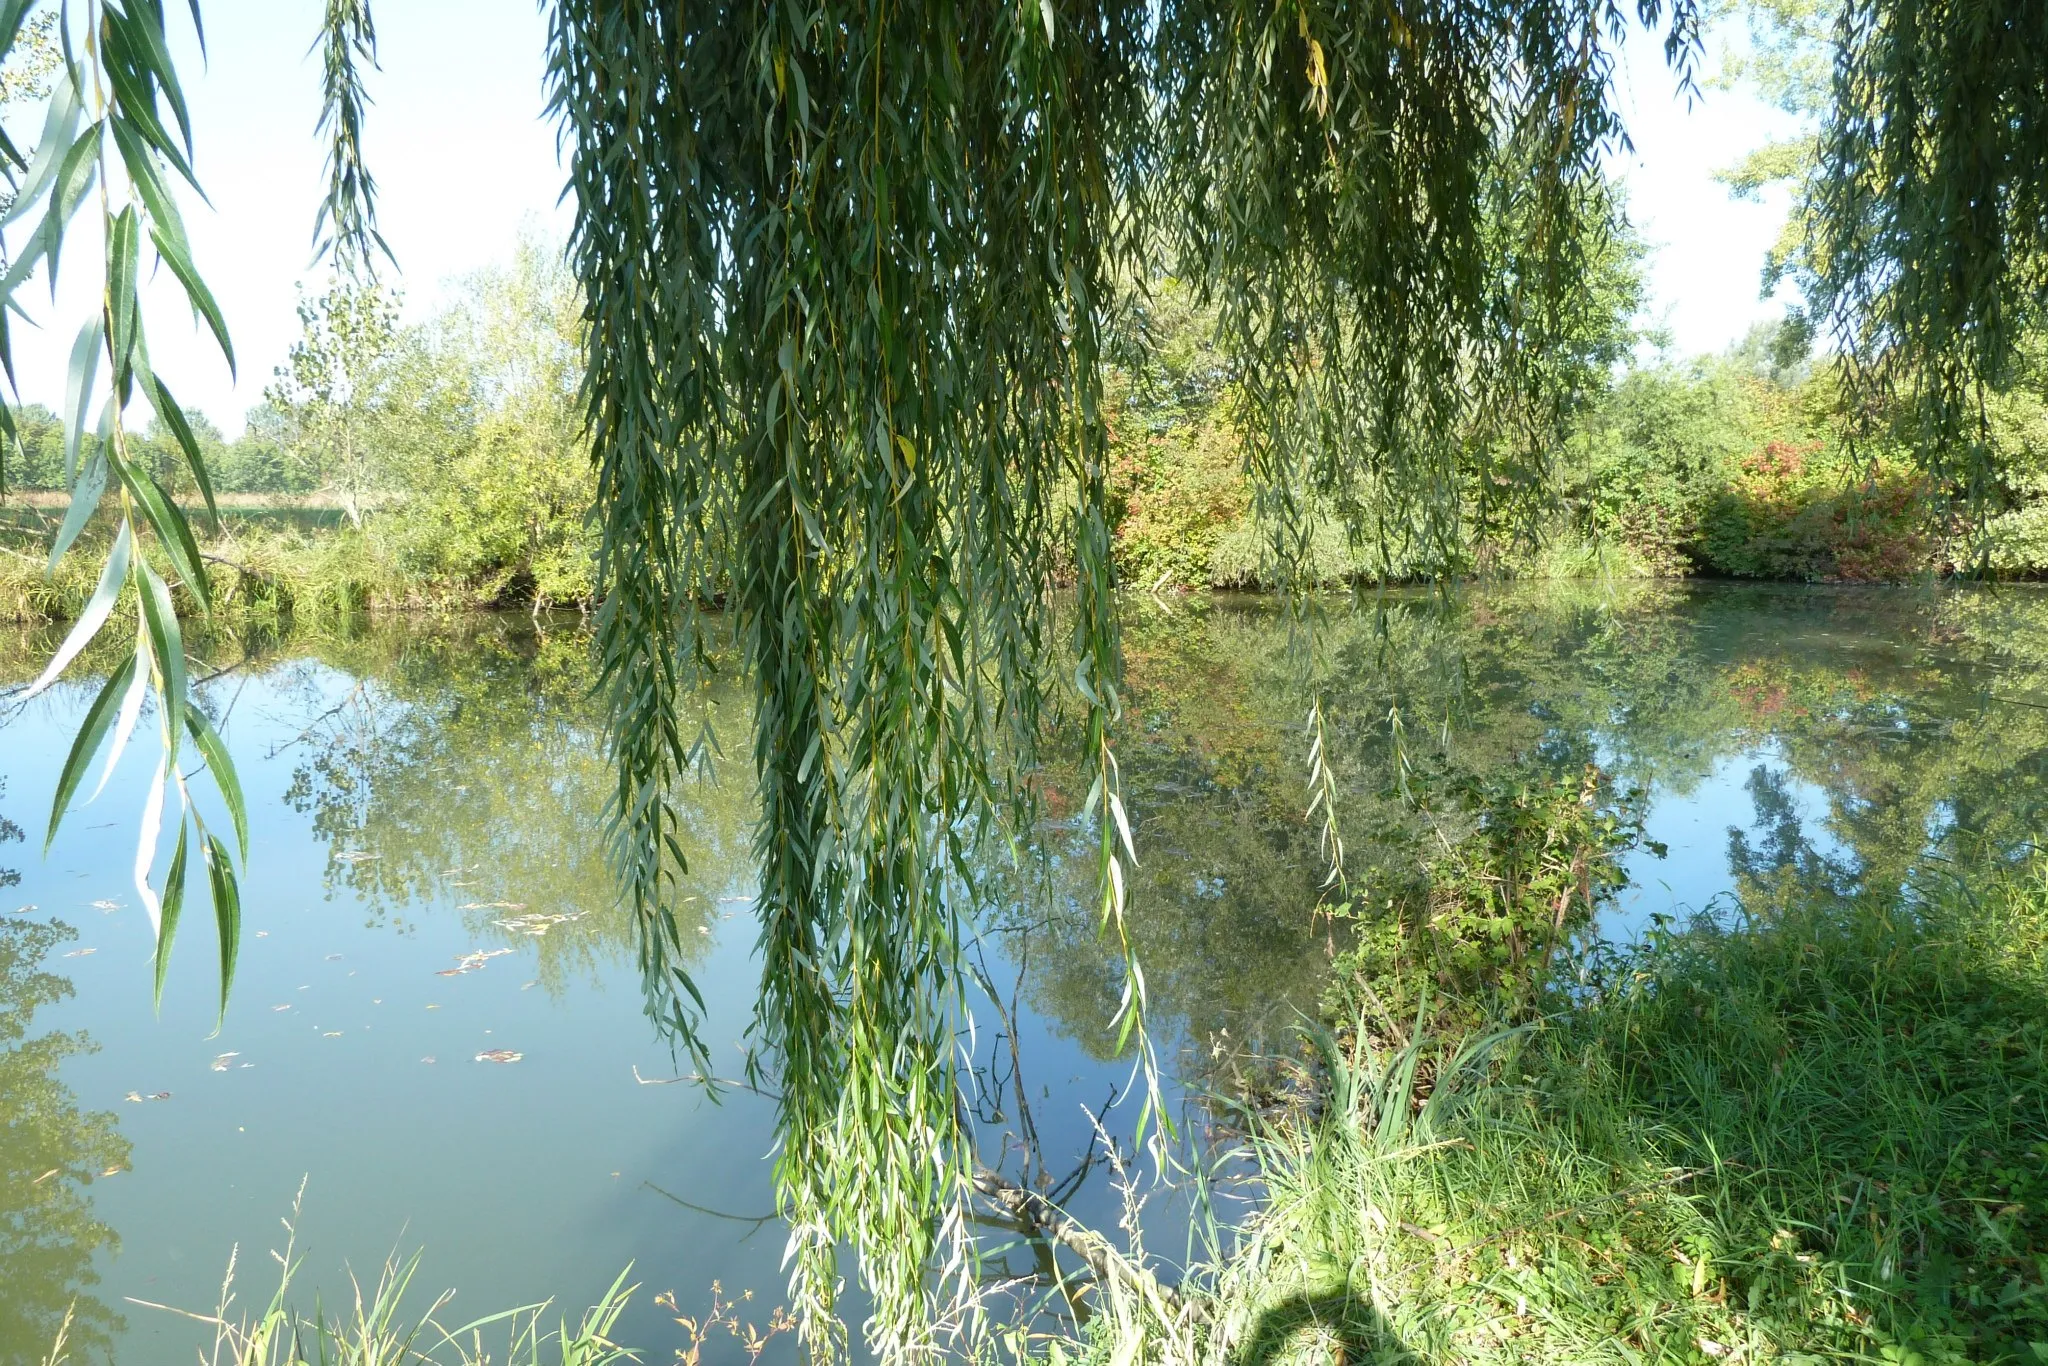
pixel 427 893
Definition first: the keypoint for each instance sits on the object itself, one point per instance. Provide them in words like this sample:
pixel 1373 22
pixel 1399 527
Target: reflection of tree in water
pixel 1782 849
pixel 10 833
pixel 470 767
pixel 49 1153
pixel 1921 719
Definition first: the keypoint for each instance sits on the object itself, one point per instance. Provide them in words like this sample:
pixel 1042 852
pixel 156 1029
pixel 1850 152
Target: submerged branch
pixel 1037 1212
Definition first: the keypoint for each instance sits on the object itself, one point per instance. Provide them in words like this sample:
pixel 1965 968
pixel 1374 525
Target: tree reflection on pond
pixel 50 1151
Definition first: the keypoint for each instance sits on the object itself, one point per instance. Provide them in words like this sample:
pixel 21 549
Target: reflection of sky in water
pixel 347 1061
pixel 1694 875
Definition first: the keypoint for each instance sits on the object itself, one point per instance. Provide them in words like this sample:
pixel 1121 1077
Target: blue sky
pixel 464 158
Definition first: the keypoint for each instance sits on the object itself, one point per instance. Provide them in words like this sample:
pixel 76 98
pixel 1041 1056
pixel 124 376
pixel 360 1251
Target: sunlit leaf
pixel 92 733
pixel 113 575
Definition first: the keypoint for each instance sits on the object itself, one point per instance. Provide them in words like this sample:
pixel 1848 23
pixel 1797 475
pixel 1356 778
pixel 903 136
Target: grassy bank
pixel 1816 1133
pixel 271 564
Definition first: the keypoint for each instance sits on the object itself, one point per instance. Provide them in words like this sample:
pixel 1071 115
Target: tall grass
pixel 375 1327
pixel 261 573
pixel 1818 1132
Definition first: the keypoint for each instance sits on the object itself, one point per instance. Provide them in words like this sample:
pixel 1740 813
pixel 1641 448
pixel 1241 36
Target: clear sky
pixel 464 157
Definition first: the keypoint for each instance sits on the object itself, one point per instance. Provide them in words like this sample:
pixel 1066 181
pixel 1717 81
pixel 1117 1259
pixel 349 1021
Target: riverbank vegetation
pixel 435 467
pixel 1811 1128
pixel 451 472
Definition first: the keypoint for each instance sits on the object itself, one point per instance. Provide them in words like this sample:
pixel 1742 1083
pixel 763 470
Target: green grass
pixel 262 568
pixel 1819 1135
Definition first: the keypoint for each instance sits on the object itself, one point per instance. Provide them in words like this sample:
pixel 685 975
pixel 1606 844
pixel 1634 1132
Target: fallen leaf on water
pixel 538 923
pixel 160 1095
pixel 499 1055
pixel 286 1006
pixel 331 1034
pixel 472 962
pixel 528 986
pixel 46 1176
pixel 80 953
pixel 376 1000
pixel 113 1171
pixel 433 1007
pixel 135 1096
pixel 105 905
pixel 263 934
pixel 220 1064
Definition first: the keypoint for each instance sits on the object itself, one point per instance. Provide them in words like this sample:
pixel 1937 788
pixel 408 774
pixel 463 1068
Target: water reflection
pixel 1842 736
pixel 442 787
pixel 471 764
pixel 50 1151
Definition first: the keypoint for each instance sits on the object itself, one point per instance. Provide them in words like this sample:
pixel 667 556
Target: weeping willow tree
pixel 1930 202
pixel 848 269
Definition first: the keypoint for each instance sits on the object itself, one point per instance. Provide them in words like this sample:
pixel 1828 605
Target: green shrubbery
pixel 1731 465
pixel 1815 1131
pixel 454 451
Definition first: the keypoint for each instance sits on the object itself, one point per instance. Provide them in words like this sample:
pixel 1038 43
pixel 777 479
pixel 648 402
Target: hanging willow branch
pixel 1932 204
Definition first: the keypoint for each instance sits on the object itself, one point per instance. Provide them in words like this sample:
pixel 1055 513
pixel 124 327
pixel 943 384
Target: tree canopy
pixel 848 273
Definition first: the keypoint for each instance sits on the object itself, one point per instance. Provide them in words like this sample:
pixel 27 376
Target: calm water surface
pixel 426 886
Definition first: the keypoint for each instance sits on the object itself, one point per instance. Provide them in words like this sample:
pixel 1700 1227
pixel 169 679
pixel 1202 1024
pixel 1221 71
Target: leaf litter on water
pixel 499 1055
pixel 472 962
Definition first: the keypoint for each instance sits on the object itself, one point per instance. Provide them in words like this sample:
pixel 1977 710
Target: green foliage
pixel 50 1153
pixel 1931 207
pixel 494 483
pixel 1522 862
pixel 1816 1134
pixel 332 389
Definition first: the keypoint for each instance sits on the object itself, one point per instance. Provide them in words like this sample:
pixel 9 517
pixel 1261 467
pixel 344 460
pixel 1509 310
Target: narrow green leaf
pixel 135 105
pixel 196 291
pixel 60 134
pixel 227 912
pixel 149 182
pixel 145 844
pixel 146 28
pixel 173 905
pixel 124 722
pixel 85 500
pixel 78 382
pixel 75 178
pixel 223 769
pixel 96 612
pixel 167 643
pixel 172 528
pixel 92 732
pixel 166 407
pixel 120 297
